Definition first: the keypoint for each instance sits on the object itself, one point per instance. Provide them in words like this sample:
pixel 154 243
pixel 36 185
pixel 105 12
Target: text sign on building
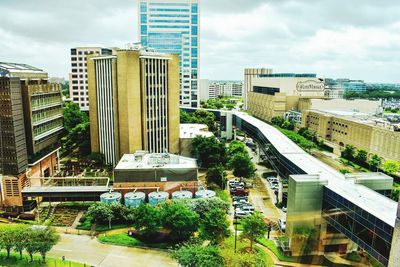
pixel 310 86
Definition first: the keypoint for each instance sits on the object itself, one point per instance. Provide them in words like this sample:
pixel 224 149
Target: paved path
pixel 77 219
pixel 82 248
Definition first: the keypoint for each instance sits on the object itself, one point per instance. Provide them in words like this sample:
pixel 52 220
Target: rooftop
pixel 191 130
pixel 13 69
pixel 289 75
pixel 145 160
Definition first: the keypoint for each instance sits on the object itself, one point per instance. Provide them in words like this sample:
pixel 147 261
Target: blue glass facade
pixel 370 233
pixel 173 27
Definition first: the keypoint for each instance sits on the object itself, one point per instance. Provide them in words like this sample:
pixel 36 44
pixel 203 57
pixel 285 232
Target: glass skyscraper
pixel 172 26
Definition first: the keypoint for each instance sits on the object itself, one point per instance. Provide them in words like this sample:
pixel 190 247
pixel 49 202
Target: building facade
pixel 274 94
pixel 173 27
pixel 78 85
pixel 249 74
pixel 134 96
pixel 31 122
pixel 337 87
pixel 363 132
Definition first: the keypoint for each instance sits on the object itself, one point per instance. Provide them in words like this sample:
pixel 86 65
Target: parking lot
pixel 259 196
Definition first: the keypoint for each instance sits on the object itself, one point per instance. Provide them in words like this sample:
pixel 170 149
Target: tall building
pixel 249 74
pixel 134 99
pixel 173 27
pixel 78 85
pixel 31 121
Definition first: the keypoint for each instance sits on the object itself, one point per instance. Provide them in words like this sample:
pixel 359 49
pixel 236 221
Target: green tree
pixel 7 237
pixel 287 125
pixel 101 213
pixel 148 220
pixel 46 238
pixel 208 151
pixel 214 226
pixel 375 161
pixel 73 116
pixel 185 117
pixel 202 206
pixel 391 167
pixel 195 255
pixel 242 165
pixel 79 137
pixel 278 120
pixel 96 158
pixel 217 175
pixel 349 152
pixel 254 227
pixel 20 239
pixel 118 212
pixel 361 156
pixel 236 147
pixel 206 117
pixel 178 218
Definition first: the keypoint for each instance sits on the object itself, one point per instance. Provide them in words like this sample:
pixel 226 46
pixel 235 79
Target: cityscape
pixel 199 133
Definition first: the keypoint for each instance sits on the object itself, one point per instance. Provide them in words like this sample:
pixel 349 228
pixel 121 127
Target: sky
pixel 357 39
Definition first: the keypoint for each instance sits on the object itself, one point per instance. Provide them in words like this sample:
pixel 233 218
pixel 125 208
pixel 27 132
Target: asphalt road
pixel 84 249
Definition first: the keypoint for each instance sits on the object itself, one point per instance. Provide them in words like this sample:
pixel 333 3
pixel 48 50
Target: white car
pixel 284 209
pixel 282 224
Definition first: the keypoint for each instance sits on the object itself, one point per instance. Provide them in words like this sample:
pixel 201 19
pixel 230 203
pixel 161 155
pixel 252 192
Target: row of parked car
pixel 241 205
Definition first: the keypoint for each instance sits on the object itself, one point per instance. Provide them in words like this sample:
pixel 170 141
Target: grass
pixel 224 195
pixel 269 244
pixel 353 256
pixel 86 224
pixel 123 239
pixel 353 164
pixel 14 261
pixel 239 225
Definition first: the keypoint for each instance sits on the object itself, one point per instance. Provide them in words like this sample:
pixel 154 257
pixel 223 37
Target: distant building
pixel 213 89
pixel 173 27
pixel 274 94
pixel 134 99
pixel 145 171
pixel 341 128
pixel 31 121
pixel 337 87
pixel 371 107
pixel 249 74
pixel 188 131
pixel 78 85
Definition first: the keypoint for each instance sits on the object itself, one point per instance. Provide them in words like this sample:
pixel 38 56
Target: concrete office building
pixel 249 75
pixel 173 27
pixel 31 122
pixel 274 94
pixel 363 131
pixel 134 99
pixel 149 172
pixel 78 85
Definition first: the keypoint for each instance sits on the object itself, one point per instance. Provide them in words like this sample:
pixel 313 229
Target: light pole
pixel 235 218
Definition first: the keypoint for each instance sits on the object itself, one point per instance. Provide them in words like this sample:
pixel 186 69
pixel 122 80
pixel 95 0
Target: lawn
pixel 278 253
pixel 224 195
pixel 123 239
pixel 14 261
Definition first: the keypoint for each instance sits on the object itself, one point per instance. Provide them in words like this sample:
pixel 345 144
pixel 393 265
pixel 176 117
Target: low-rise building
pixel 188 131
pixel 149 171
pixel 361 130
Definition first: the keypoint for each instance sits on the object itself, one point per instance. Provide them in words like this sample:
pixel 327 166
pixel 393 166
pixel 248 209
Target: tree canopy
pixel 254 227
pixel 195 255
pixel 208 151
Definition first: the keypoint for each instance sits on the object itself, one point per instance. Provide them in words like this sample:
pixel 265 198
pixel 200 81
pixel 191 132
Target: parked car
pixel 239 191
pixel 269 178
pixel 284 209
pixel 282 224
pixel 236 198
pixel 240 214
pixel 248 209
pixel 274 185
pixel 240 202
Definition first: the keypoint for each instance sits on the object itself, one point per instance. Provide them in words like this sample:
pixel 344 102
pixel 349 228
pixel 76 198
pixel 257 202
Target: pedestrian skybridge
pixel 355 205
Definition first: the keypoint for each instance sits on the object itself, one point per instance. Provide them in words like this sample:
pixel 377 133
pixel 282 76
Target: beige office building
pixel 360 130
pixel 134 98
pixel 274 94
pixel 249 75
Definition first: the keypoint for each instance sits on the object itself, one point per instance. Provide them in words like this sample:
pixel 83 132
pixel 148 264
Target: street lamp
pixel 235 218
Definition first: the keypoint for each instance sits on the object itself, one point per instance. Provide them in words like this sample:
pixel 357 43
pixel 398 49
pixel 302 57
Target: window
pixel 143 29
pixel 194 19
pixel 194 8
pixel 143 18
pixel 194 63
pixel 143 7
pixel 194 41
pixel 194 52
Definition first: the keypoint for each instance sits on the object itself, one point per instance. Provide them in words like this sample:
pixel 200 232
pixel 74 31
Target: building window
pixel 194 8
